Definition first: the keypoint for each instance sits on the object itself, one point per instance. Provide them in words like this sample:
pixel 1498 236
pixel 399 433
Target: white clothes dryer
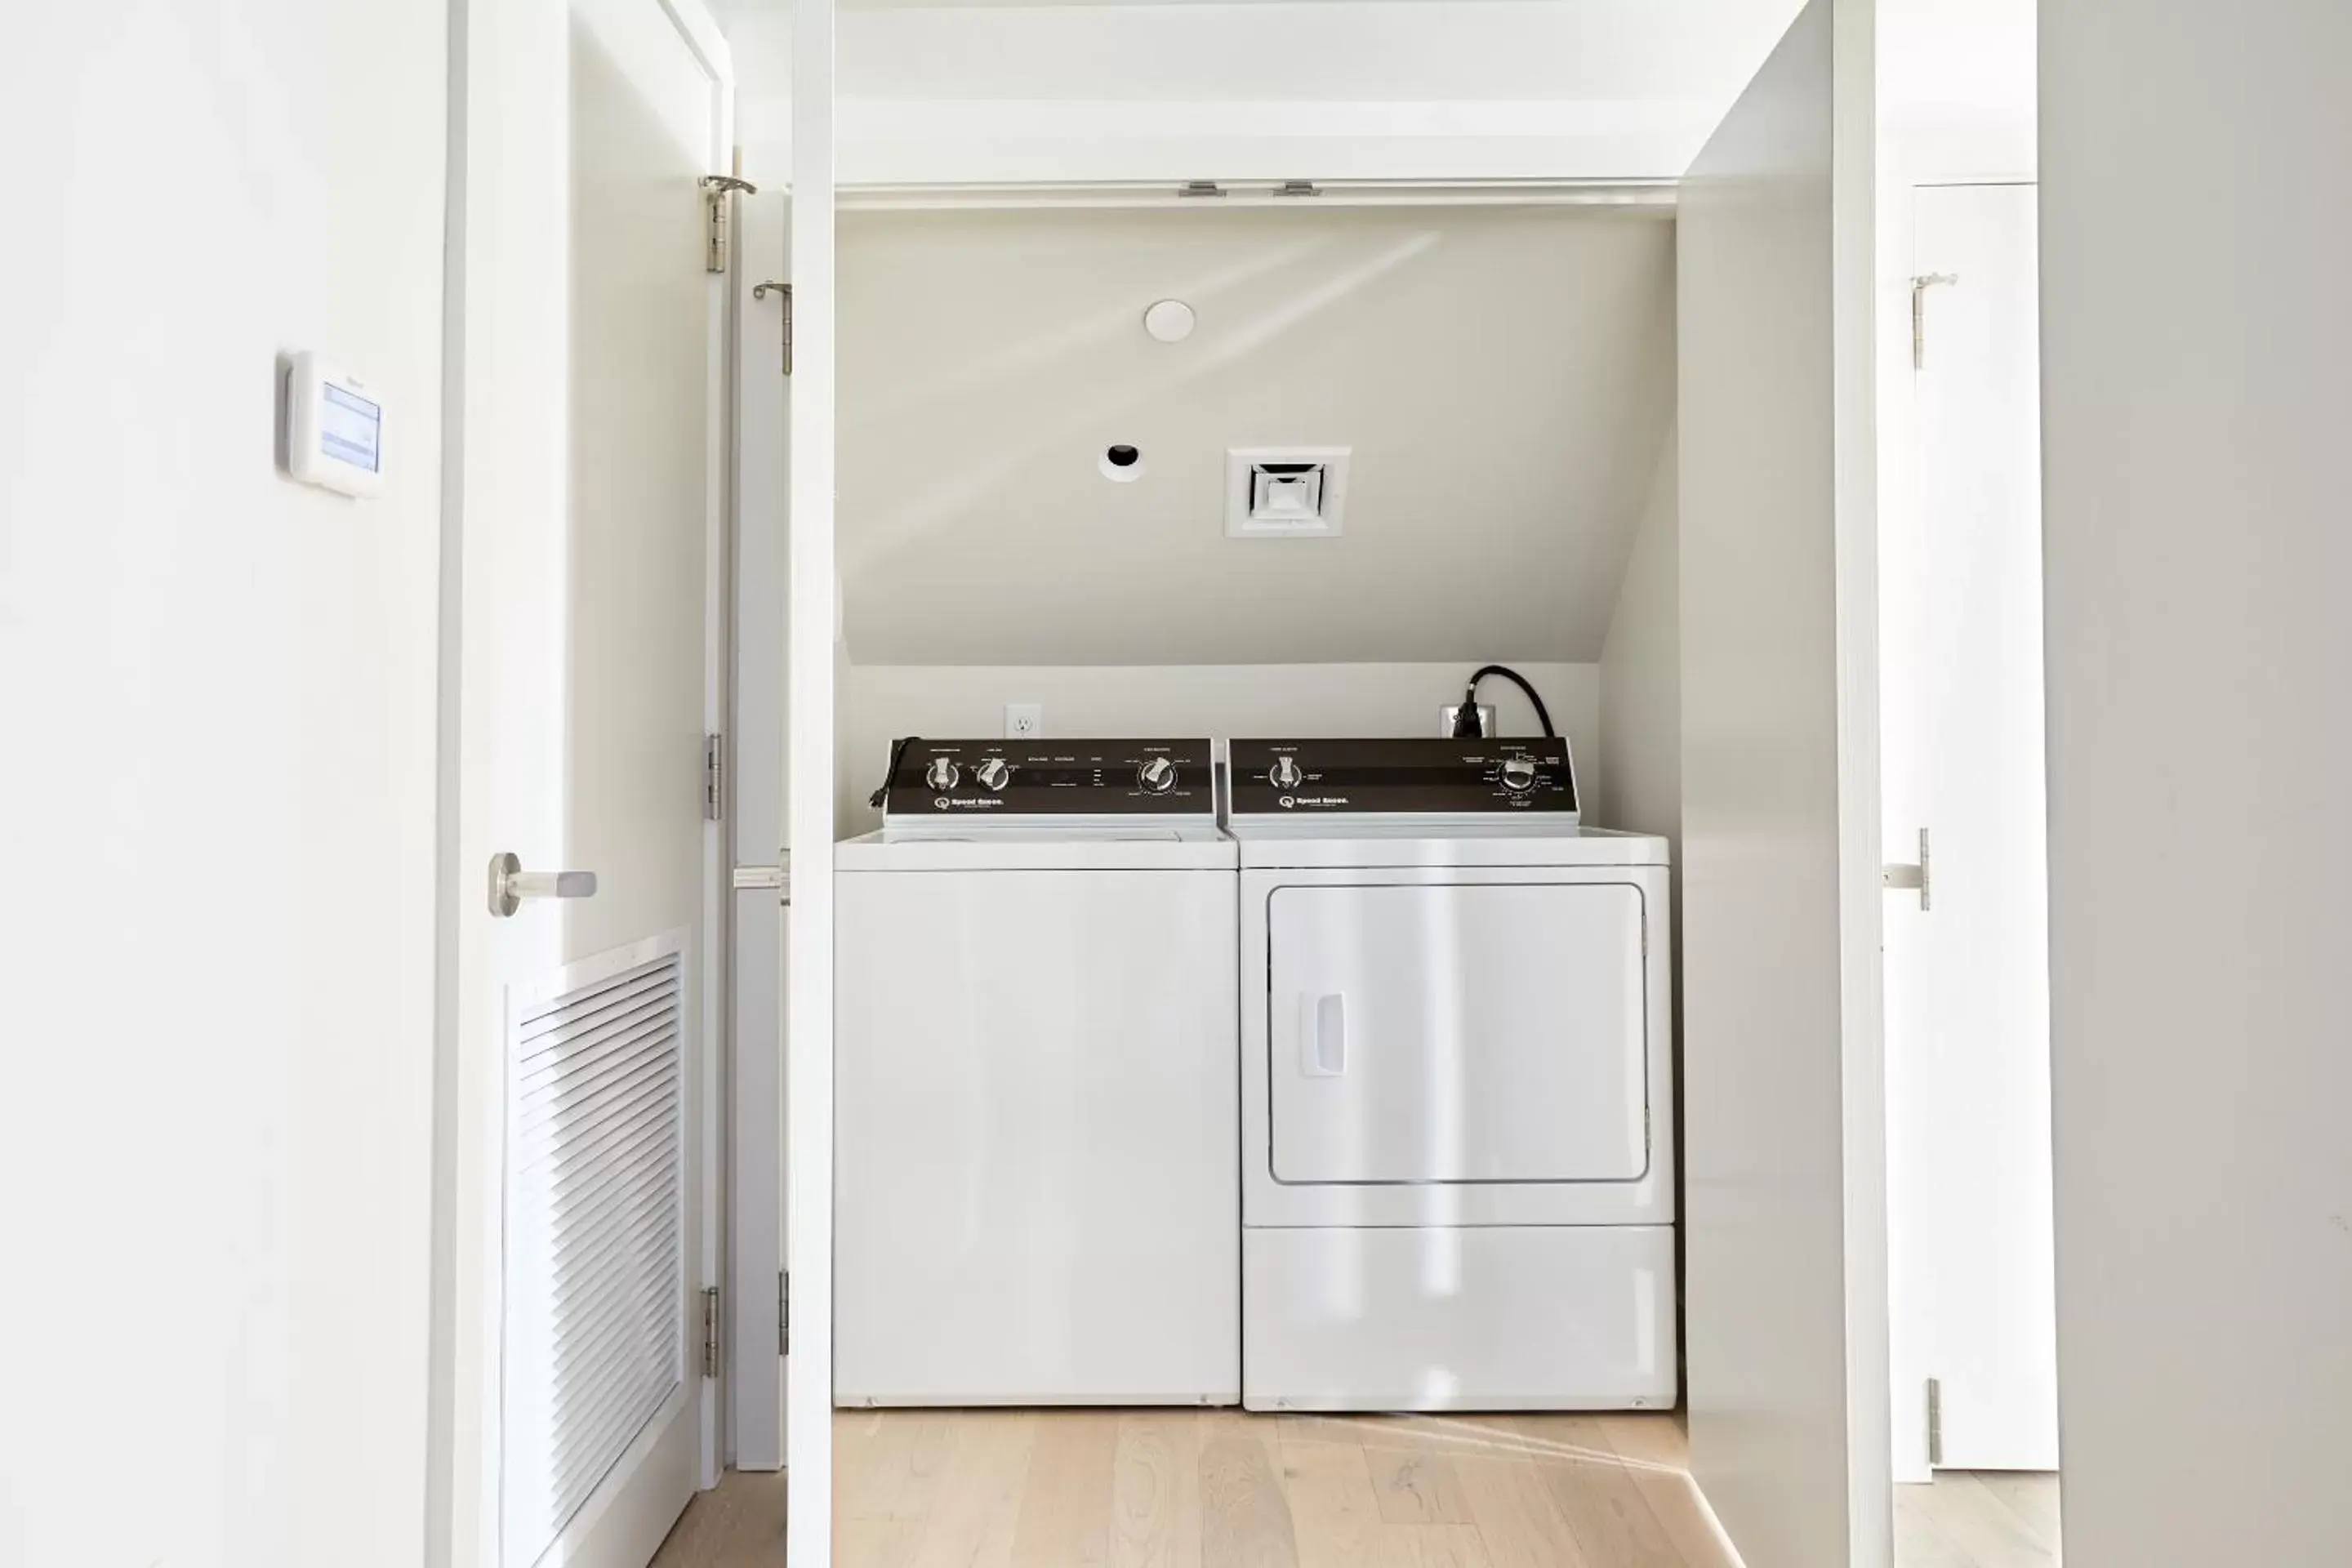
pixel 1457 1083
pixel 1036 1146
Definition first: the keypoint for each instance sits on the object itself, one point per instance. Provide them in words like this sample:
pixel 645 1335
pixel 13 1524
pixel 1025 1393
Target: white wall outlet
pixel 1452 711
pixel 1023 720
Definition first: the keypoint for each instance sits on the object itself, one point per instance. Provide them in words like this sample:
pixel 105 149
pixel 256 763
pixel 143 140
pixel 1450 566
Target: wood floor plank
pixel 1657 1454
pixel 1518 1521
pixel 2031 1495
pixel 977 1505
pixel 1412 1474
pixel 1920 1539
pixel 1066 1508
pixel 1156 1490
pixel 889 1468
pixel 1983 1525
pixel 1333 1511
pixel 873 1542
pixel 739 1523
pixel 1596 1494
pixel 1245 1520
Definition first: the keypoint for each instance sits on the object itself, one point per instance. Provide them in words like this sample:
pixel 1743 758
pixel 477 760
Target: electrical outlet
pixel 1023 720
pixel 1446 715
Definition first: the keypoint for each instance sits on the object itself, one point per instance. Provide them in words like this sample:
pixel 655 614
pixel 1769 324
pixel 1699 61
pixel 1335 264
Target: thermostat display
pixel 334 428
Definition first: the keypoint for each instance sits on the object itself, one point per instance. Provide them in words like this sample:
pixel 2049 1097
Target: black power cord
pixel 1465 719
pixel 898 755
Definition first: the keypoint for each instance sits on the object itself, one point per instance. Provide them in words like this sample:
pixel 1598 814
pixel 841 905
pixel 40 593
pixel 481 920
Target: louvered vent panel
pixel 595 1342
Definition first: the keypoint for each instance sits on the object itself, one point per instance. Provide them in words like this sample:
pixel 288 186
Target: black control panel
pixel 1052 778
pixel 1323 777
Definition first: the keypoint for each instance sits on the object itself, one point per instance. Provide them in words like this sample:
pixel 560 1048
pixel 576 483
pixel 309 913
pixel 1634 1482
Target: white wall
pixel 1641 670
pixel 216 812
pixel 1503 377
pixel 1396 90
pixel 1499 375
pixel 1778 873
pixel 2195 218
pixel 1224 700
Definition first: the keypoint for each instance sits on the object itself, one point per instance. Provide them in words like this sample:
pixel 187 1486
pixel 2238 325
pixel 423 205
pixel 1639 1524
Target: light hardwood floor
pixel 1176 1488
pixel 1983 1519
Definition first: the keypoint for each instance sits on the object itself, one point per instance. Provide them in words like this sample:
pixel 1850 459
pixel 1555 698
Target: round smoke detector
pixel 1169 321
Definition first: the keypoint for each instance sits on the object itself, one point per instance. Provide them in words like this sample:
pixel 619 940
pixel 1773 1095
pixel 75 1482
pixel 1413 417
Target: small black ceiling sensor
pixel 1122 456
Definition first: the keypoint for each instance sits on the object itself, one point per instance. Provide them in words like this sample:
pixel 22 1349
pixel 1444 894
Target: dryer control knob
pixel 995 773
pixel 943 774
pixel 1518 774
pixel 1286 774
pixel 1157 776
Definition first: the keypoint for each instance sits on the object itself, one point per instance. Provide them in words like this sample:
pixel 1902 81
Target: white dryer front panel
pixel 1455 1046
pixel 1457 1032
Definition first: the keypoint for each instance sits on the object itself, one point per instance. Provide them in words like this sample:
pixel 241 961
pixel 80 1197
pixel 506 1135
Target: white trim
pixel 810 656
pixel 1634 195
pixel 700 32
pixel 1853 231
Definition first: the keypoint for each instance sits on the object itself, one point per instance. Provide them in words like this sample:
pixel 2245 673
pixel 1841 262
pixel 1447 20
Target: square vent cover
pixel 1285 492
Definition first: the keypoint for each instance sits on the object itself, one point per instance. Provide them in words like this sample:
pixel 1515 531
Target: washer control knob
pixel 1157 776
pixel 942 775
pixel 1518 774
pixel 996 773
pixel 1286 774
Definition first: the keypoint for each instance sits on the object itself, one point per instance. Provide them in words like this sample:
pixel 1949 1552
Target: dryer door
pixel 1462 1032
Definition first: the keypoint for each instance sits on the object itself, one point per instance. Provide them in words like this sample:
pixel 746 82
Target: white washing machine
pixel 1036 1131
pixel 1457 1186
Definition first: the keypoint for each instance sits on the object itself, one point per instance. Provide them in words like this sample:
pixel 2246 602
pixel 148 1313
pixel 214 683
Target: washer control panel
pixel 1419 776
pixel 1052 778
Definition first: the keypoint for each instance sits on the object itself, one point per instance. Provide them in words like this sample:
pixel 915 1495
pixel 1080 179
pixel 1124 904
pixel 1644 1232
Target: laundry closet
pixel 1192 464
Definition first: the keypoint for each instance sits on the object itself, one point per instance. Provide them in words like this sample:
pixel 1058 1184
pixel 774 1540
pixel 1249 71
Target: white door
pixel 1967 984
pixel 590 584
pixel 755 829
pixel 1409 1041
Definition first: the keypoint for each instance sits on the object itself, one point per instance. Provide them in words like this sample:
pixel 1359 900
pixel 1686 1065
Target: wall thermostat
pixel 334 428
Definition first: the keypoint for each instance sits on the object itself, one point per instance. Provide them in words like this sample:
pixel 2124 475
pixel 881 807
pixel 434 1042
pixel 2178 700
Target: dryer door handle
pixel 1322 1036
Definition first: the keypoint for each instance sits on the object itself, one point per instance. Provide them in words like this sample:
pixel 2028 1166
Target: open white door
pixel 755 827
pixel 1968 976
pixel 587 408
pixel 1783 1215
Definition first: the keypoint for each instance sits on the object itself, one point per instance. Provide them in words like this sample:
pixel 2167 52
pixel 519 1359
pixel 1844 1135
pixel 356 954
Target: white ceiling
pixel 1504 376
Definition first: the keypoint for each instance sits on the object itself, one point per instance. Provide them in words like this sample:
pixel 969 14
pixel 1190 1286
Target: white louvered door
pixel 580 1161
pixel 597 1355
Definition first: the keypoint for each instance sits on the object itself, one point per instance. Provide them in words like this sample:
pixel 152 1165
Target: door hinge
pixel 715 209
pixel 1195 190
pixel 1935 1421
pixel 710 1331
pixel 1907 875
pixel 714 778
pixel 783 292
pixel 1919 287
pixel 784 1313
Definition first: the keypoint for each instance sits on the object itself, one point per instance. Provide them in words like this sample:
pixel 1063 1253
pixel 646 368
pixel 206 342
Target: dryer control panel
pixel 1419 777
pixel 937 779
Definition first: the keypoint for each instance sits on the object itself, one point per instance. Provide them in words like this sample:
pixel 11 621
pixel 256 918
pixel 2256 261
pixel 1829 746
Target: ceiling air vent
pixel 1285 492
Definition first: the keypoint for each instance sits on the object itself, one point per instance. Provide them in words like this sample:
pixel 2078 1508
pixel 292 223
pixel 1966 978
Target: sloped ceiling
pixel 1504 377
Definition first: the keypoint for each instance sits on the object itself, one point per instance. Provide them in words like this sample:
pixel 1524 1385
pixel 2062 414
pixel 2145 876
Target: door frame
pixel 505 338
pixel 811 678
